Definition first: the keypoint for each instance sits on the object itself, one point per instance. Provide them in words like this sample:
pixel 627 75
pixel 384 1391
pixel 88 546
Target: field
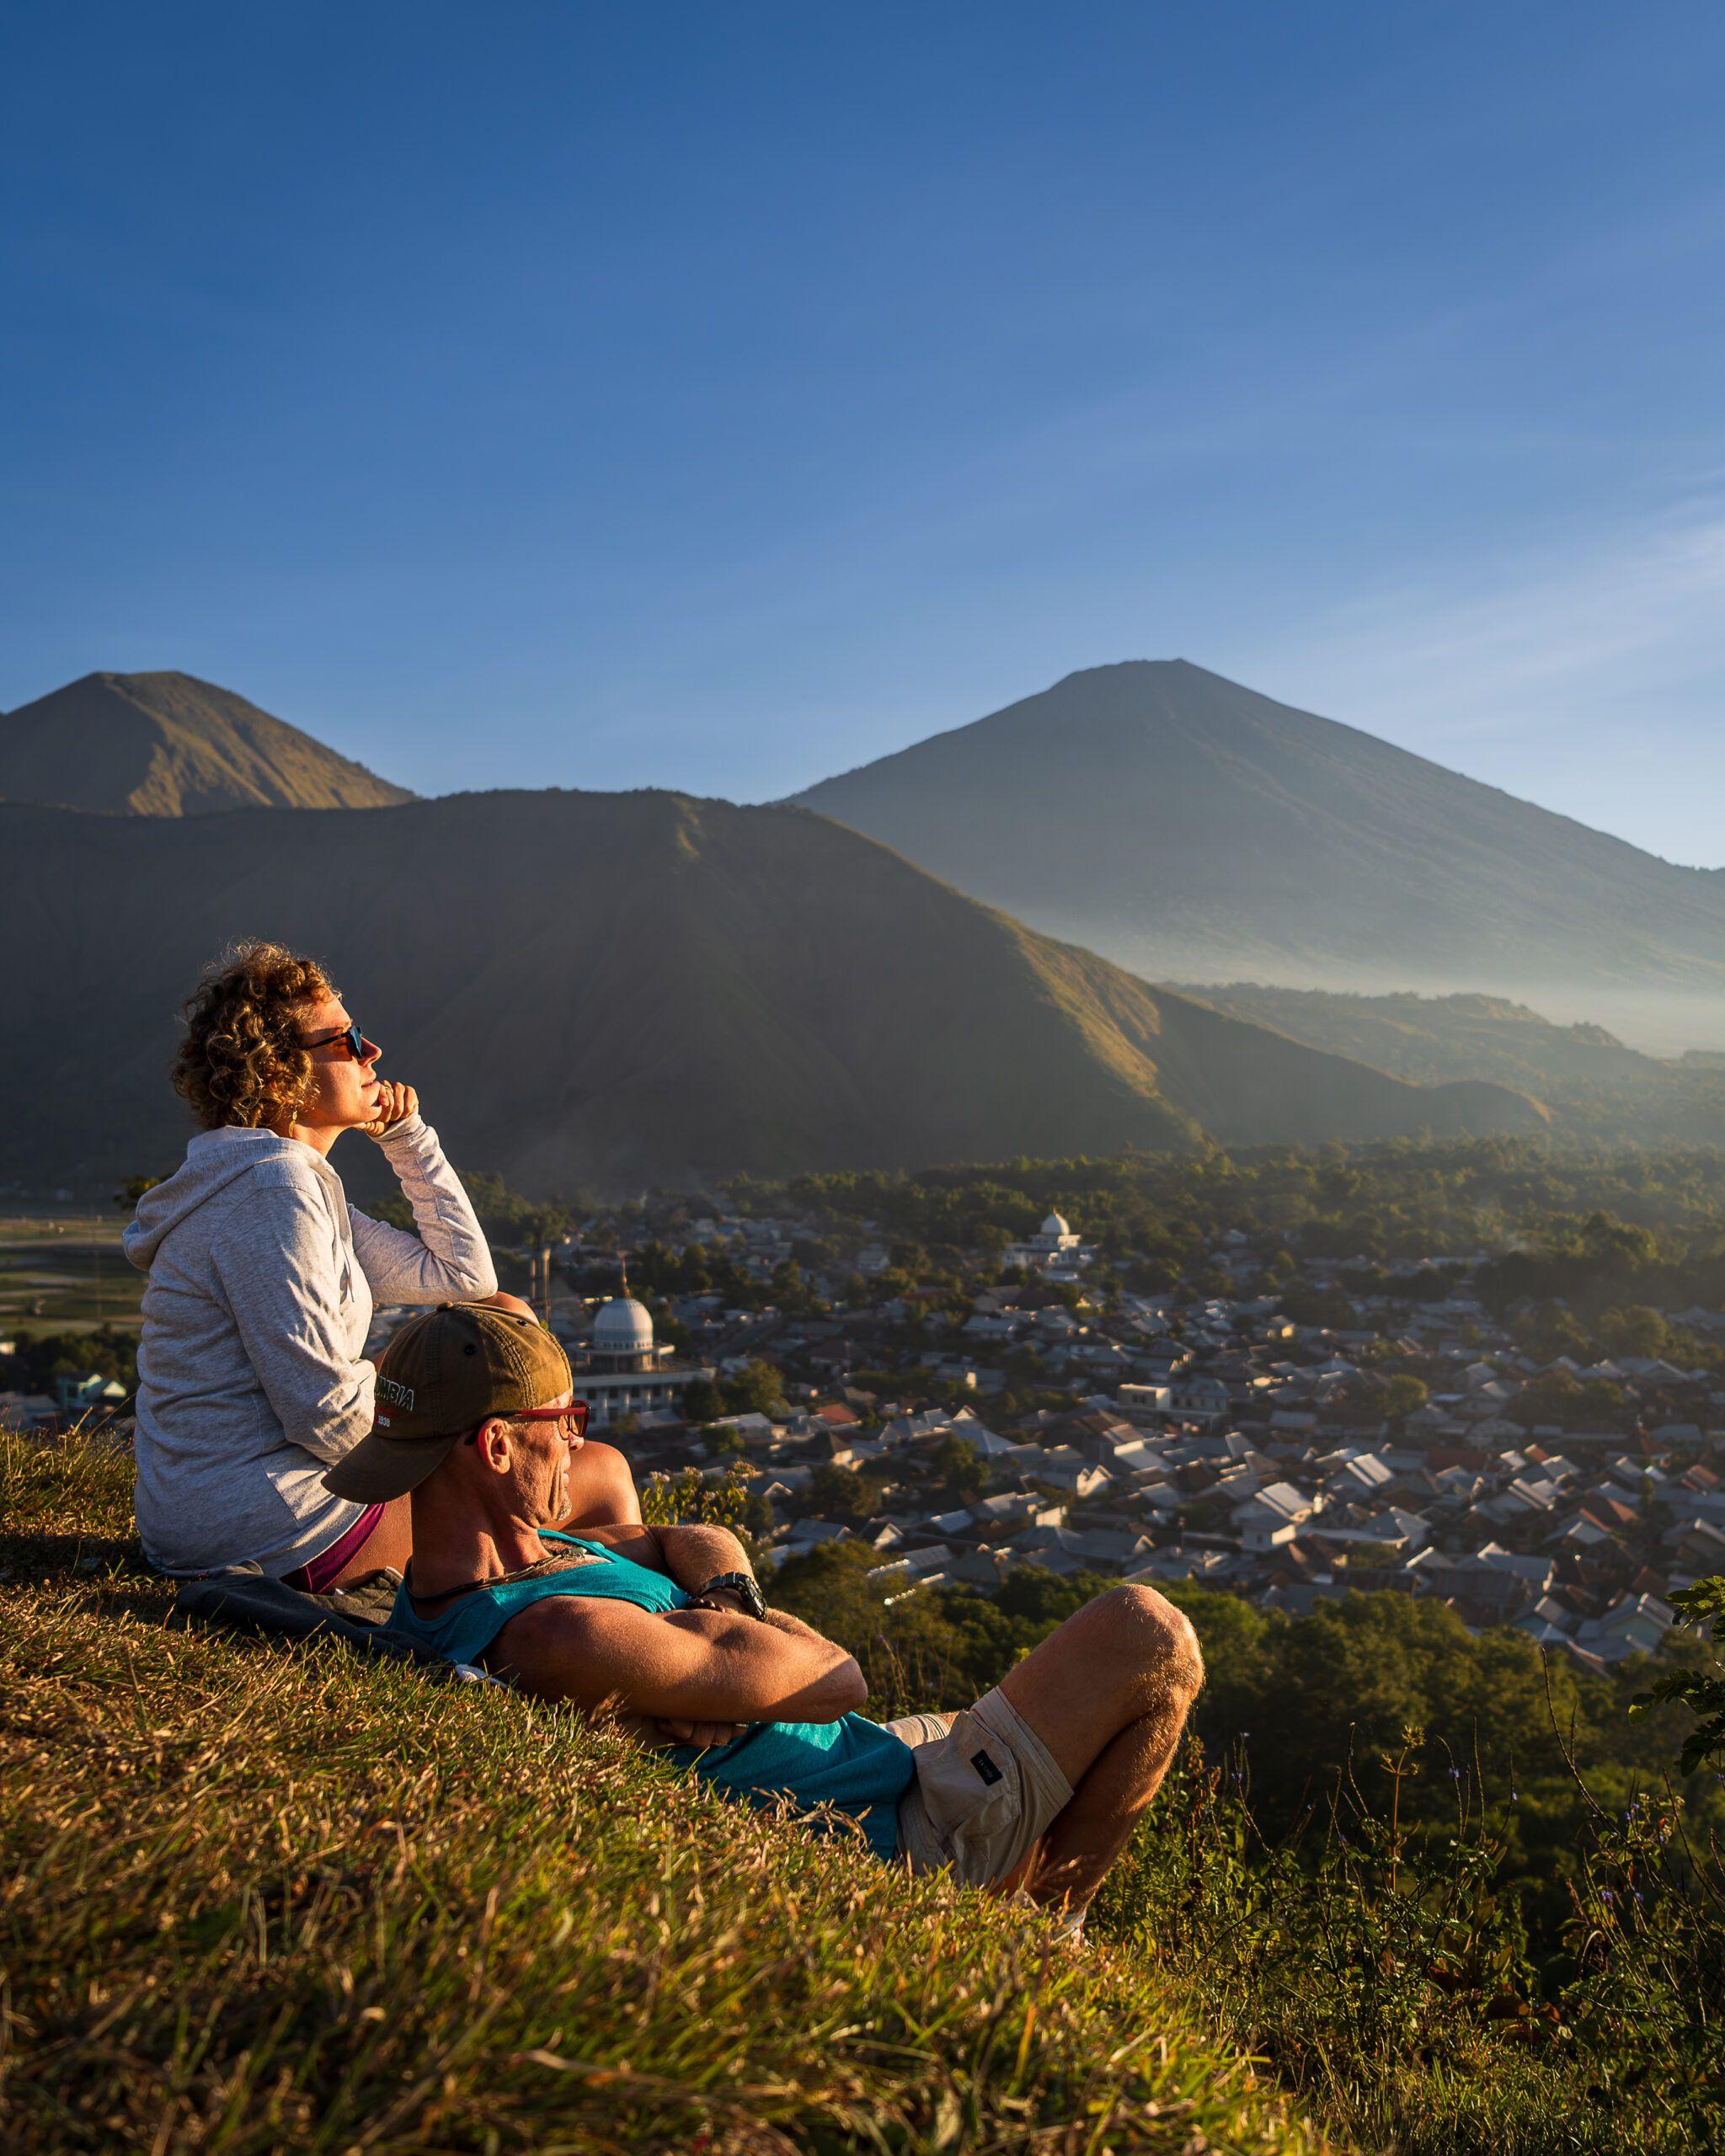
pixel 63 1273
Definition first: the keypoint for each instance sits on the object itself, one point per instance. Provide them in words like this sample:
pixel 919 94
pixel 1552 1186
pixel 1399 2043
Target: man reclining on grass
pixel 1036 1787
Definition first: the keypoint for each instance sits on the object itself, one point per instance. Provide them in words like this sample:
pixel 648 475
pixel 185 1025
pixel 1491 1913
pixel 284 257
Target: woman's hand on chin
pixel 395 1104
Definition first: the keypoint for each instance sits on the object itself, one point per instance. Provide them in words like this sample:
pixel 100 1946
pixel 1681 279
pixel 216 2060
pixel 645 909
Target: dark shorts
pixel 320 1574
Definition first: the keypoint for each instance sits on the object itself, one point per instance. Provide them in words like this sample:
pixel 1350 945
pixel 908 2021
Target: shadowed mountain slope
pixel 613 988
pixel 168 744
pixel 1191 829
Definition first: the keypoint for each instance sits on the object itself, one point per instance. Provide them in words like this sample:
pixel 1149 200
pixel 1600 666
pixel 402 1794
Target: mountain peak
pixel 166 744
pixel 1190 828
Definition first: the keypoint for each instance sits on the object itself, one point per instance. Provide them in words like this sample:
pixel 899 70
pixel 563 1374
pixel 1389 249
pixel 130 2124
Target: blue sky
pixel 717 397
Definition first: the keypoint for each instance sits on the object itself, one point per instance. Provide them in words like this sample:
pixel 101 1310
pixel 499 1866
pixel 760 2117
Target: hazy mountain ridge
pixel 614 989
pixel 168 744
pixel 1590 1080
pixel 1189 828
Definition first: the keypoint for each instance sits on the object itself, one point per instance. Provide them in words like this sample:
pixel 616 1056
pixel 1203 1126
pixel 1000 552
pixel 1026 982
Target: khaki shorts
pixel 985 1790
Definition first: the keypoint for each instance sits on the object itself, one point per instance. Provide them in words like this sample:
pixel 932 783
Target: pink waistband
pixel 319 1576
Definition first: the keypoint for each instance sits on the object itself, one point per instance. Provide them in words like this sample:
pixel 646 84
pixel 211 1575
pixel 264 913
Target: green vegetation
pixel 1702 1690
pixel 57 1274
pixel 1394 1204
pixel 1454 1894
pixel 40 1358
pixel 256 1898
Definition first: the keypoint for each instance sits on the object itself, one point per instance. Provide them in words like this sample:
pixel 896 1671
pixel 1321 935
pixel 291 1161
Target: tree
pixel 1637 1330
pixel 1702 1691
pixel 702 1401
pixel 755 1390
pixel 839 1494
pixel 1404 1395
pixel 961 1470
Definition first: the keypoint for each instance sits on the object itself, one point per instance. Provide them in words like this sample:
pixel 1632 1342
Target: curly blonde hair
pixel 240 1061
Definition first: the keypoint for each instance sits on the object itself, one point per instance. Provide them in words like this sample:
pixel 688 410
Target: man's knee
pixel 605 1467
pixel 1155 1641
pixel 502 1301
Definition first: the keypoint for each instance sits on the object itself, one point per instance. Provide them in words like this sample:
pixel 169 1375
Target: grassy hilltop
pixel 253 1901
pixel 256 1898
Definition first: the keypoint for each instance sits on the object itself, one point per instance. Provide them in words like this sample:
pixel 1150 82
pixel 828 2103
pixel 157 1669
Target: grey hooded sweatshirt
pixel 251 1376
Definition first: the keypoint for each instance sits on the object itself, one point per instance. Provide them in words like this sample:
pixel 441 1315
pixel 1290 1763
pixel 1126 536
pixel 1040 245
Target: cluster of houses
pixel 1213 1439
pixel 76 1395
pixel 1206 1437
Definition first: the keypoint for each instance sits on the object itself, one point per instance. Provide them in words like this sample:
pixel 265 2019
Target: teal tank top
pixel 852 1764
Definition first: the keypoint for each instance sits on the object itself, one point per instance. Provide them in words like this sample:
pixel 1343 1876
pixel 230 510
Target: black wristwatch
pixel 739 1584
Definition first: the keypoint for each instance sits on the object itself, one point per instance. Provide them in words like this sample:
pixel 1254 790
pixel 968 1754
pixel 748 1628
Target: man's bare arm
pixel 690 1553
pixel 691 1665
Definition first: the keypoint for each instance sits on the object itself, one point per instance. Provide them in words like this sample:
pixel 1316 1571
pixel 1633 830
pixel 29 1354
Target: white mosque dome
pixel 1056 1225
pixel 622 1327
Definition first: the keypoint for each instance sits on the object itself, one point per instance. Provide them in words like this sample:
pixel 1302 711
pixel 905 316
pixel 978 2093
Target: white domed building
pixel 622 1337
pixel 1055 1250
pixel 621 1370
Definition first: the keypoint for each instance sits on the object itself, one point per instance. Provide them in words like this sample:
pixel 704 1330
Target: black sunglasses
pixel 355 1040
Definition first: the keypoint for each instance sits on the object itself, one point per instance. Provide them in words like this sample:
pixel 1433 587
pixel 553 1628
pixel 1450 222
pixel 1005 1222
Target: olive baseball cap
pixel 440 1378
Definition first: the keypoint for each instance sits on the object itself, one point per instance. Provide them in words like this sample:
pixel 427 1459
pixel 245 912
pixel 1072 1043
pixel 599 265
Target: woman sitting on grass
pixel 251 1376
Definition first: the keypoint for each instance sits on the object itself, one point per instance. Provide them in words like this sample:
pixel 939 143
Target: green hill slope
pixel 614 989
pixel 1191 829
pixel 1587 1076
pixel 256 1900
pixel 168 744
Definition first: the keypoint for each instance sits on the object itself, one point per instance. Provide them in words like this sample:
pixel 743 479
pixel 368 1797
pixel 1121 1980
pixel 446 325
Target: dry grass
pixel 254 1898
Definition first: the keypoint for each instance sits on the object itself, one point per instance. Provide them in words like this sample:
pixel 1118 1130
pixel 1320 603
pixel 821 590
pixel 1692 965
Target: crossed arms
pixel 699 1665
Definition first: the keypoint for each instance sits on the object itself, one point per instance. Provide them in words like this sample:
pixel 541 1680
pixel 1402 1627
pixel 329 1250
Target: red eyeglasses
pixel 575 1415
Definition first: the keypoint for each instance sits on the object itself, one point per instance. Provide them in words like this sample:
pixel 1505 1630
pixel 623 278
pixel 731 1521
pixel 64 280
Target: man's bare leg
pixel 603 1490
pixel 1108 1694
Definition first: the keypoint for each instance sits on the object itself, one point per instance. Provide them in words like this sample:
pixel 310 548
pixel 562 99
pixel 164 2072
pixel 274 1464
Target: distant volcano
pixel 168 744
pixel 1191 829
